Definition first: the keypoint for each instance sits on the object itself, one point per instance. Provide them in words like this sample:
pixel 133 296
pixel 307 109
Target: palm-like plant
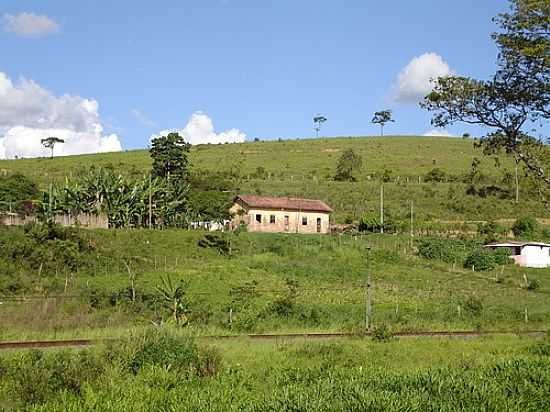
pixel 174 299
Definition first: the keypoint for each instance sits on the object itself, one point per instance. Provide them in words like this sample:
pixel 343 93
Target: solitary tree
pixel 381 118
pixel 348 163
pixel 515 100
pixel 169 154
pixel 50 142
pixel 317 122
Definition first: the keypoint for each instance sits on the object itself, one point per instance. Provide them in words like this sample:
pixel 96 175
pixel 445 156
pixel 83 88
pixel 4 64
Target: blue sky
pixel 262 67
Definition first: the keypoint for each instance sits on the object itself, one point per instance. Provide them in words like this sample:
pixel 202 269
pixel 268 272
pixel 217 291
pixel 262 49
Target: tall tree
pixel 514 103
pixel 50 142
pixel 170 157
pixel 348 163
pixel 317 122
pixel 382 117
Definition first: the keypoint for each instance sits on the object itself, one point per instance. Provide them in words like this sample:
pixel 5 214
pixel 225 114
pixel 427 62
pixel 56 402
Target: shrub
pixel 435 175
pixel 447 250
pixel 525 227
pixel 158 347
pixel 491 231
pixel 382 333
pixel 222 245
pixel 473 306
pixel 481 260
pixel 533 285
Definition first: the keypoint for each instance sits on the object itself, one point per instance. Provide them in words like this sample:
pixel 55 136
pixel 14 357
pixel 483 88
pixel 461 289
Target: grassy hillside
pixel 405 156
pixel 305 168
pixel 270 282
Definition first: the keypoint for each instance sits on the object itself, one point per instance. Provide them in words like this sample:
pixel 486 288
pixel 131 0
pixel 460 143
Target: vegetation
pixel 50 142
pixel 317 122
pixel 381 118
pixel 513 104
pixel 163 371
pixel 169 155
pixel 348 163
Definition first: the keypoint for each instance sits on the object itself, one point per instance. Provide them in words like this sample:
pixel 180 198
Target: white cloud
pixel 439 133
pixel 29 25
pixel 29 113
pixel 200 130
pixel 142 118
pixel 414 80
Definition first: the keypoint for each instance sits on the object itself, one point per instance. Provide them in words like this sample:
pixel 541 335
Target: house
pixel 526 254
pixel 281 214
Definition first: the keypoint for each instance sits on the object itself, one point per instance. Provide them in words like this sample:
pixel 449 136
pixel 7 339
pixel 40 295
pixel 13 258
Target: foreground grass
pixel 147 373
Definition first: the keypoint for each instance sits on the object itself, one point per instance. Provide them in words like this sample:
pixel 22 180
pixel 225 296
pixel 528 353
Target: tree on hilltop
pixel 382 117
pixel 317 122
pixel 50 142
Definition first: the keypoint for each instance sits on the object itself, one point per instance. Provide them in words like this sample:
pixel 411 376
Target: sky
pixel 108 76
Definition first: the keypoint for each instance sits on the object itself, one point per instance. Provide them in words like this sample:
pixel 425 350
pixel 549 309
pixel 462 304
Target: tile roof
pixel 284 203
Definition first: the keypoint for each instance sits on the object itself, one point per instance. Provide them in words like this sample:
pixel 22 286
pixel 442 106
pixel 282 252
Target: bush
pixel 473 306
pixel 525 227
pixel 157 347
pixel 435 175
pixel 382 333
pixel 491 231
pixel 481 260
pixel 447 250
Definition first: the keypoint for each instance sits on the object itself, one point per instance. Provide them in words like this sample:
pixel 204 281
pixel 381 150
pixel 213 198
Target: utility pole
pixel 150 204
pixel 368 306
pixel 382 208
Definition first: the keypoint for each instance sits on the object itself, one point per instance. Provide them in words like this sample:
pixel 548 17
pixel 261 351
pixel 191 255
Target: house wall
pixel 248 217
pixel 535 256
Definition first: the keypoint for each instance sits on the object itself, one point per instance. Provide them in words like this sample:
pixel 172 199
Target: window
pixel 272 219
pixel 259 218
pixel 304 220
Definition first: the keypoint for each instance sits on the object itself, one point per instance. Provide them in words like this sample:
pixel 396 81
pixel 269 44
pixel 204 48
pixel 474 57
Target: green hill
pixel 306 167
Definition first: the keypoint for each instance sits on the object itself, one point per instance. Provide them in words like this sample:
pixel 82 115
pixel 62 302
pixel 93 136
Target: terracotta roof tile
pixel 284 203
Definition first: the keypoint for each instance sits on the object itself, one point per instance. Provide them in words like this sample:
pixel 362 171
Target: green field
pixel 147 371
pixel 326 276
pixel 305 168
pixel 76 283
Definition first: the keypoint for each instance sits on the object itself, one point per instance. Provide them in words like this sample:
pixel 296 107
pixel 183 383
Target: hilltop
pixel 306 167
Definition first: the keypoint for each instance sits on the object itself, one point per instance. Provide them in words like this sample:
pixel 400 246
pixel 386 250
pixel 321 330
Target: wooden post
pixel 526 316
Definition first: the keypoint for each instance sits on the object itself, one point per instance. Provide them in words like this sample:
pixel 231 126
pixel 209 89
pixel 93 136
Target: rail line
pixel 74 343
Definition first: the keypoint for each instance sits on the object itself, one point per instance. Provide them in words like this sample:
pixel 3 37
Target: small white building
pixel 526 254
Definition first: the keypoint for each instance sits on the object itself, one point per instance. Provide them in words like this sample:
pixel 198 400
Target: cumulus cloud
pixel 29 113
pixel 439 133
pixel 414 80
pixel 29 25
pixel 200 130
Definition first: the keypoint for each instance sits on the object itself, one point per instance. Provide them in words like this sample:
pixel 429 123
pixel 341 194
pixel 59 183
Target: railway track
pixel 74 343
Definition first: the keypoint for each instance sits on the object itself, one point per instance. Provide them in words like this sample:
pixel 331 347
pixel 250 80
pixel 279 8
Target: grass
pixel 492 373
pixel 305 168
pixel 409 293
